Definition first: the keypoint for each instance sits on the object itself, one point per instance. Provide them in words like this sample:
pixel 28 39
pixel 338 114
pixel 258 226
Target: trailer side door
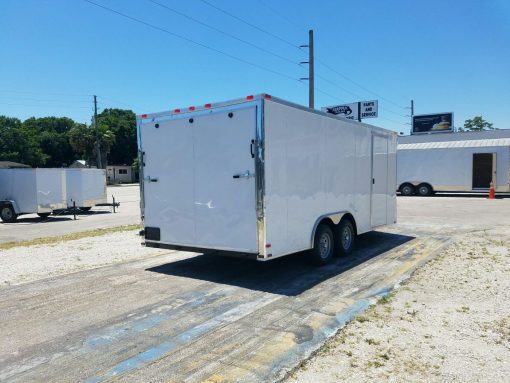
pixel 378 203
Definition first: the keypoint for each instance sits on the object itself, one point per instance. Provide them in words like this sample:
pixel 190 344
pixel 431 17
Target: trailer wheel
pixel 43 215
pixel 8 214
pixel 323 245
pixel 407 190
pixel 85 208
pixel 345 237
pixel 424 190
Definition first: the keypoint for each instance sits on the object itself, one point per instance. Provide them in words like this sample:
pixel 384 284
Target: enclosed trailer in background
pixel 263 177
pixel 25 191
pixel 454 162
pixel 85 188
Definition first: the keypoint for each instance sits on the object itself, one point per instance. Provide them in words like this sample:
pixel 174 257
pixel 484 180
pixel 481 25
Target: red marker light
pixel 268 245
pixel 207 105
pixel 144 116
pixel 249 97
pixel 177 111
pixel 267 96
pixel 191 108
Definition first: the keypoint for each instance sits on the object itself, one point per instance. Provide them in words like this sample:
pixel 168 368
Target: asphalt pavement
pixel 185 317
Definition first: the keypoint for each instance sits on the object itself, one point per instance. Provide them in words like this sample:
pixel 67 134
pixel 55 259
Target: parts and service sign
pixel 355 110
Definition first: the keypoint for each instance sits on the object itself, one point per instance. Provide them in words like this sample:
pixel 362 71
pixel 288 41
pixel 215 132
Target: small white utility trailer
pixel 25 191
pixel 85 188
pixel 454 162
pixel 263 177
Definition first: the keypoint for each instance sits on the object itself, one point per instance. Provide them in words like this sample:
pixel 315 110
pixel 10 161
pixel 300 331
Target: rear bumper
pixel 202 250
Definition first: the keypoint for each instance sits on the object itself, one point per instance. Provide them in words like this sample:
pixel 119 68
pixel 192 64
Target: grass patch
pixel 68 237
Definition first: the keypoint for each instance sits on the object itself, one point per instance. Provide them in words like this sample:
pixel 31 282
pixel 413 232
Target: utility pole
pixel 311 72
pixel 412 114
pixel 98 146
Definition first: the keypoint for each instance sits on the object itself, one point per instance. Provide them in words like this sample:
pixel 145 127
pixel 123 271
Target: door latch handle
pixel 149 179
pixel 246 175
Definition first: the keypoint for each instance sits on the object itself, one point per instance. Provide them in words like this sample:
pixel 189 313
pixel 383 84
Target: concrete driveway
pixel 183 317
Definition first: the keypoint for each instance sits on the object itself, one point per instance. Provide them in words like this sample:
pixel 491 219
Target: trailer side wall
pixel 315 165
pixel 450 169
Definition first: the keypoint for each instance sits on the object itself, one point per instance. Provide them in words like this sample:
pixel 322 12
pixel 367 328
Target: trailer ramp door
pixel 204 195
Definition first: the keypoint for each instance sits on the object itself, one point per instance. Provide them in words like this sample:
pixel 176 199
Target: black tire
pixel 407 190
pixel 7 214
pixel 345 237
pixel 323 245
pixel 424 190
pixel 85 208
pixel 43 215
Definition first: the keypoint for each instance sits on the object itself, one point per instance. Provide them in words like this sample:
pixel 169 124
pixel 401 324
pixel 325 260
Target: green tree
pixel 52 136
pixel 81 139
pixel 476 124
pixel 122 123
pixel 16 144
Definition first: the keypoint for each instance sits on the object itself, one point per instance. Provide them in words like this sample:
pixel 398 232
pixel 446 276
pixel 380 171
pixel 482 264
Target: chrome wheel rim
pixel 406 190
pixel 324 245
pixel 424 190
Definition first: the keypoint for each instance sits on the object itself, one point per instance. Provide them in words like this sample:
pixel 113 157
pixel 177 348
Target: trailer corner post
pixel 113 197
pixel 74 210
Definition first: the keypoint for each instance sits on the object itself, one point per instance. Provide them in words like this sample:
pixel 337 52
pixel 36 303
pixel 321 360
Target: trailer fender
pixel 9 202
pixel 334 218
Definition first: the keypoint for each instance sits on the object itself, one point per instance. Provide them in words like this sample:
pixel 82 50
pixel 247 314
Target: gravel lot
pixel 26 264
pixel 449 323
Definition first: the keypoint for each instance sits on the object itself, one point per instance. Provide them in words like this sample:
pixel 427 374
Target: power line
pixel 283 17
pixel 224 33
pixel 357 84
pixel 354 94
pixel 273 10
pixel 191 41
pixel 250 24
pixel 45 93
pixel 15 98
pixel 45 106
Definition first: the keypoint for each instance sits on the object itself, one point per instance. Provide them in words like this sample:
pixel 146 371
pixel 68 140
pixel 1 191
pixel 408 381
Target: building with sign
pixel 454 162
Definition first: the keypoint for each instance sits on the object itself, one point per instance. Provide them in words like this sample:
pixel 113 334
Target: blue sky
pixel 447 55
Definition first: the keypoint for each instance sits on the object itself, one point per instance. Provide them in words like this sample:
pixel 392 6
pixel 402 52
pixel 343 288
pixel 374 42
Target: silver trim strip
pixel 259 179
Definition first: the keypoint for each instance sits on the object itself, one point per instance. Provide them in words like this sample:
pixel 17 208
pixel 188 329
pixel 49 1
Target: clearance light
pixel 177 111
pixel 144 116
pixel 267 96
pixel 268 245
pixel 191 108
pixel 207 106
pixel 249 97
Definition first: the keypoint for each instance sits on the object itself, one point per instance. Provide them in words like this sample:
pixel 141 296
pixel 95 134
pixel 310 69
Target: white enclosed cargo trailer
pixel 24 191
pixel 263 177
pixel 85 188
pixel 454 162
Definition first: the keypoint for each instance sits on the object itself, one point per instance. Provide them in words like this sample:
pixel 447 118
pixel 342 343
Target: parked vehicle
pixel 453 162
pixel 85 188
pixel 263 177
pixel 24 191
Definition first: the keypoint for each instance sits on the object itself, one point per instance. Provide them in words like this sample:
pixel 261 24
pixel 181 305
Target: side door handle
pixel 246 175
pixel 149 179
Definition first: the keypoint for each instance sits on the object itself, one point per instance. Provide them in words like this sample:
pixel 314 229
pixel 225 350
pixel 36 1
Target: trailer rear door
pixel 199 180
